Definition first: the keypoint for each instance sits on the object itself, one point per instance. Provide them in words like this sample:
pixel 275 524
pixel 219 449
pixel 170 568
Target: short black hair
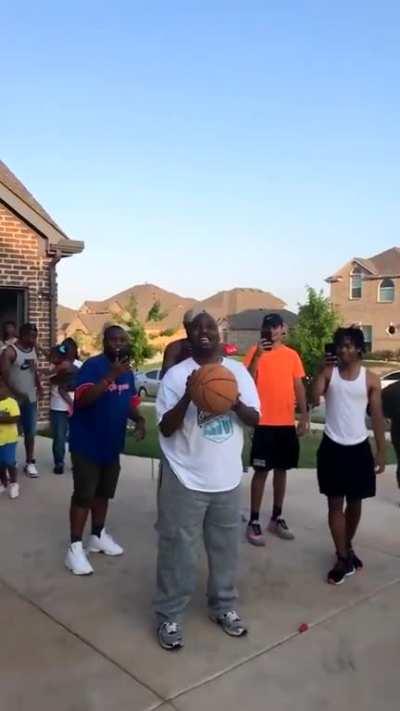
pixel 4 326
pixel 27 328
pixel 110 328
pixel 352 334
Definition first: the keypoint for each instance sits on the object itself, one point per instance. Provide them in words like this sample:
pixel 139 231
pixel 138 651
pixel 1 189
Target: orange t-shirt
pixel 276 373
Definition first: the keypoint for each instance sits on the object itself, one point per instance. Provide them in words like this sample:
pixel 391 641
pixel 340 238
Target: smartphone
pixel 266 336
pixel 330 352
pixel 123 354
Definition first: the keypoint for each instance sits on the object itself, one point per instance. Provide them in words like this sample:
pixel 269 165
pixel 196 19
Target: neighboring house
pixel 87 323
pixel 64 317
pixel 87 329
pixel 31 245
pixel 367 292
pixel 243 329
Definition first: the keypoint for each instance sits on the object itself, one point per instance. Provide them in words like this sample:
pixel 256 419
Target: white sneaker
pixel 3 489
pixel 13 490
pixel 31 471
pixel 104 544
pixel 76 560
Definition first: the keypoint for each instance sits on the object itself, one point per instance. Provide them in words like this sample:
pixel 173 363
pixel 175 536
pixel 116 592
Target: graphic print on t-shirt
pixel 28 364
pixel 215 428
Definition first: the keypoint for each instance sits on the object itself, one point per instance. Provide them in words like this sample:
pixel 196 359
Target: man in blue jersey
pixel 105 397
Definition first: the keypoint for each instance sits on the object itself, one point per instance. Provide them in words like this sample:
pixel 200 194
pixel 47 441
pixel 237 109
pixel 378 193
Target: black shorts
pixel 93 480
pixel 346 470
pixel 275 447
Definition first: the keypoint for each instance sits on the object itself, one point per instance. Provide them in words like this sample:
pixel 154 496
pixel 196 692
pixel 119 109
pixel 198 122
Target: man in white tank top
pixel 346 466
pixel 19 369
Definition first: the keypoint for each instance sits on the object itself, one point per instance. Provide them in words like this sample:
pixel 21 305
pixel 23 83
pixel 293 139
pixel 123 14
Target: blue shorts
pixel 8 455
pixel 28 418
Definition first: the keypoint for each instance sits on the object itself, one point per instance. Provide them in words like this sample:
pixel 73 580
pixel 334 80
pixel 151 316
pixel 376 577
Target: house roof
pixel 251 319
pixel 64 316
pixel 17 198
pixel 383 264
pixel 387 263
pixel 94 323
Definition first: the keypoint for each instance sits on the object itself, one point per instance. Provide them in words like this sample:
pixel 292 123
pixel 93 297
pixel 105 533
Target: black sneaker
pixel 357 562
pixel 58 469
pixel 170 636
pixel 343 569
pixel 254 534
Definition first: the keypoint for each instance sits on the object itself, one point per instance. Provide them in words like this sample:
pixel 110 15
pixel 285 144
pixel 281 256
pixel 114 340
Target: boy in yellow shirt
pixel 9 417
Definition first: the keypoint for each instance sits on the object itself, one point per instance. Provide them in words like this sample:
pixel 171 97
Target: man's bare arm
pixel 253 365
pixel 171 354
pixel 7 359
pixel 301 399
pixel 378 422
pixel 321 383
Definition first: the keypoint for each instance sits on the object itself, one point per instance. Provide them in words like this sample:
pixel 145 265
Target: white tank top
pixel 346 408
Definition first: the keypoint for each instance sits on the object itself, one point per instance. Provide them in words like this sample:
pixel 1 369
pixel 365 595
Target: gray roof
pixel 385 263
pixel 251 319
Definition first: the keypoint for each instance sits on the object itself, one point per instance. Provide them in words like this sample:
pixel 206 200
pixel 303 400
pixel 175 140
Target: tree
pixel 317 321
pixel 140 347
pixel 155 313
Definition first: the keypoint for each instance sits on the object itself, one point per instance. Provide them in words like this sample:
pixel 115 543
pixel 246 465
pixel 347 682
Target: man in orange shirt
pixel 278 373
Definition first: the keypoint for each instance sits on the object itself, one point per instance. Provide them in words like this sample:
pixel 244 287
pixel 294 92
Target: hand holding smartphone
pixel 265 342
pixel 330 354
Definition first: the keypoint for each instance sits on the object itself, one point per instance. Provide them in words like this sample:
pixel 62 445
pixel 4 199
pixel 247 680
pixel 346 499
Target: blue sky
pixel 201 144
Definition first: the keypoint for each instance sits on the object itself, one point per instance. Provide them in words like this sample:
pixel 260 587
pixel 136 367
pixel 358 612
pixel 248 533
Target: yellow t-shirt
pixel 9 433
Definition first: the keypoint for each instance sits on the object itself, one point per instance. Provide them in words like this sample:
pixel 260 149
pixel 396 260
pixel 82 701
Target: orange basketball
pixel 214 389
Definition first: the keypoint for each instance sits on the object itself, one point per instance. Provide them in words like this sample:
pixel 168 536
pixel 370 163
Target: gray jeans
pixel 185 517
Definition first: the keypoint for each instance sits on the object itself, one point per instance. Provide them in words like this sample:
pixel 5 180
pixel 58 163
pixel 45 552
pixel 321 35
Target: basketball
pixel 214 389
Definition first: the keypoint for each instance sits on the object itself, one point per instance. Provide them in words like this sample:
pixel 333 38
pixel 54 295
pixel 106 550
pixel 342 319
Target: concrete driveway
pixel 87 644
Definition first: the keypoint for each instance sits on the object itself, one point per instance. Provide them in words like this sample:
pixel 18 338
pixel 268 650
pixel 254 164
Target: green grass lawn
pixel 150 447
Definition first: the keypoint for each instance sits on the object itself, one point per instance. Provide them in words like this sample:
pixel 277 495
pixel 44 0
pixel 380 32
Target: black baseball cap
pixel 272 321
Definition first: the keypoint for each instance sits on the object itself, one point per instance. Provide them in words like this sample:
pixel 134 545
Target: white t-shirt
pixel 206 452
pixel 56 401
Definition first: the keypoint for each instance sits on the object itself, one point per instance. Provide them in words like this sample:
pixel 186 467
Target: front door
pixel 13 305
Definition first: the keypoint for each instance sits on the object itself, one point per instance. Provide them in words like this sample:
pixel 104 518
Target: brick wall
pixel 25 264
pixel 368 310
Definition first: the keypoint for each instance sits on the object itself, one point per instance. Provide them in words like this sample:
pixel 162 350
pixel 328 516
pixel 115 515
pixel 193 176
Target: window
pixel 153 374
pixel 367 331
pixel 13 305
pixel 392 376
pixel 386 291
pixel 356 283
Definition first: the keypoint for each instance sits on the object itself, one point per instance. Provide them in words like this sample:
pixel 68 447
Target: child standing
pixel 9 417
pixel 65 366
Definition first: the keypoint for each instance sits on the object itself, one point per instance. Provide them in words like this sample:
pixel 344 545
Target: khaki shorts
pixel 93 480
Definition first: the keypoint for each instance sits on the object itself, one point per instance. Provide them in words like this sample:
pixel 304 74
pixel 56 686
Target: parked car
pixel 148 382
pixel 390 378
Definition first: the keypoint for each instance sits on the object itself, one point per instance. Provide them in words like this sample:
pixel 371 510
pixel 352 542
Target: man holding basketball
pixel 278 373
pixel 199 494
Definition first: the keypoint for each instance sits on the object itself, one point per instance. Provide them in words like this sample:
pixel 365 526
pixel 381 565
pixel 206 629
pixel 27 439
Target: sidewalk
pixel 87 644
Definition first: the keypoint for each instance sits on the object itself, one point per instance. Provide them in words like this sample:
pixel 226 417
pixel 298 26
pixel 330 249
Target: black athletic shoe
pixel 58 469
pixel 357 562
pixel 343 569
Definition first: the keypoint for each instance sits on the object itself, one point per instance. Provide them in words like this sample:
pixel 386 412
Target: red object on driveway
pixel 230 349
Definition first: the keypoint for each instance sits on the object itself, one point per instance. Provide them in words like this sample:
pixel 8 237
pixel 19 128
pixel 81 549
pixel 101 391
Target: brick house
pixel 31 245
pixel 243 329
pixel 367 292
